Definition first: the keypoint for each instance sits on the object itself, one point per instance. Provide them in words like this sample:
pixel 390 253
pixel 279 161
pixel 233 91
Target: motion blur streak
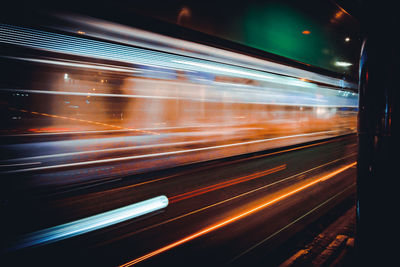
pixel 292 223
pixel 237 217
pixel 101 29
pixel 225 184
pixel 117 159
pixel 235 197
pixel 92 122
pixel 219 165
pixel 122 101
pixel 92 223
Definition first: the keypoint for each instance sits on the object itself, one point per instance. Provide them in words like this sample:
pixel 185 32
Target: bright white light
pixel 321 111
pixel 342 64
pixel 224 69
pixel 66 76
pixel 141 55
pixel 92 223
pixel 347 39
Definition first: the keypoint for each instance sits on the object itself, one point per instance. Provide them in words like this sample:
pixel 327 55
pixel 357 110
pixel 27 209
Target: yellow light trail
pixel 235 218
pixel 87 121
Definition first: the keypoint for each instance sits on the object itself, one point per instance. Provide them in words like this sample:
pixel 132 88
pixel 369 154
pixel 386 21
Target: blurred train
pixel 88 100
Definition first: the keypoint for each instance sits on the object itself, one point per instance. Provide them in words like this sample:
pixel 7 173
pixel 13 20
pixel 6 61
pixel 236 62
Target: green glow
pixel 278 28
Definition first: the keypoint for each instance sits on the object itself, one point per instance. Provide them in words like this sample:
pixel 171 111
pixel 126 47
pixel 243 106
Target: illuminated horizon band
pixel 141 55
pixel 120 33
pixel 270 102
pixel 268 87
pixel 91 223
pixel 169 153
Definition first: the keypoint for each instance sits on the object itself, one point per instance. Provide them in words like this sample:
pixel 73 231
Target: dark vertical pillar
pixel 378 180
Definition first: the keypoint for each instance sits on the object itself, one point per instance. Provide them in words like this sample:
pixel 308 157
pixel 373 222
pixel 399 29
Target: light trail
pixel 55 42
pixel 231 70
pixel 91 223
pixel 154 41
pixel 111 160
pixel 137 147
pixel 19 164
pixel 235 218
pixel 293 222
pixel 75 64
pixel 224 184
pixel 208 167
pixel 80 120
pixel 230 199
pixel 106 150
pixel 186 126
pixel 210 100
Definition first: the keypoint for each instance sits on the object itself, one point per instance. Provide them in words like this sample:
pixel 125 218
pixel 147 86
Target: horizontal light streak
pixel 224 184
pixel 77 164
pixel 101 151
pixel 343 64
pixel 129 148
pixel 293 222
pixel 120 130
pixel 64 93
pixel 19 164
pixel 75 64
pixel 73 45
pixel 92 223
pixel 235 197
pixel 250 73
pixel 226 163
pixel 225 69
pixel 85 121
pixel 136 37
pixel 236 218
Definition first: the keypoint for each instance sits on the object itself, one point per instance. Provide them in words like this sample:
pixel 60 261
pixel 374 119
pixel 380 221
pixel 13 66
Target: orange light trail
pixel 87 121
pixel 217 165
pixel 214 187
pixel 235 218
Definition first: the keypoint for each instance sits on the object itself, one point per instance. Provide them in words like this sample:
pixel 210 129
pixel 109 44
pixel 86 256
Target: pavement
pixel 334 246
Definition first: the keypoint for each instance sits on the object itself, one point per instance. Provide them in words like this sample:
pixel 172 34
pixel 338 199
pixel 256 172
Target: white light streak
pixel 92 223
pixel 224 69
pixel 136 37
pixel 112 160
pixel 75 64
pixel 250 99
pixel 124 53
pixel 342 64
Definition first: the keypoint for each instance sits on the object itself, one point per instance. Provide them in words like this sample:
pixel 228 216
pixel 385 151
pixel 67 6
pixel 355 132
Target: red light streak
pixel 218 165
pixel 235 218
pixel 214 187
